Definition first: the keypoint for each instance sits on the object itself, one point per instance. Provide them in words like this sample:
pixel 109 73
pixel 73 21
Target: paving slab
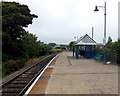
pixel 82 76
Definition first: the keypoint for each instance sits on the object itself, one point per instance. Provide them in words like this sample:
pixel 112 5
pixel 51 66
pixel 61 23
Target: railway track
pixel 19 84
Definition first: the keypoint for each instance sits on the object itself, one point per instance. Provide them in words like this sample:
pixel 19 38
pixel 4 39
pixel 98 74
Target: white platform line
pixel 30 88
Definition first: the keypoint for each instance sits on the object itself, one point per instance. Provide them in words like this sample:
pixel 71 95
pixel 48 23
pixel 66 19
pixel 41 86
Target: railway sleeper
pixel 24 78
pixel 12 90
pixel 20 82
pixel 16 86
pixel 10 94
pixel 32 73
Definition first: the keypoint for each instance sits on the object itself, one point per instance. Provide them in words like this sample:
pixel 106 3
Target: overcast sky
pixel 59 21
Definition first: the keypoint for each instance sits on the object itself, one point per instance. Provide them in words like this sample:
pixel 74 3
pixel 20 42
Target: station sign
pixel 104 41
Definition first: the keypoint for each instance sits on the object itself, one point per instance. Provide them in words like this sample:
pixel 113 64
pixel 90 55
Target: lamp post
pixel 104 39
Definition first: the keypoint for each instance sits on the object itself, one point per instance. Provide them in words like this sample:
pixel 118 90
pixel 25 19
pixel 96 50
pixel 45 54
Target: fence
pixel 111 55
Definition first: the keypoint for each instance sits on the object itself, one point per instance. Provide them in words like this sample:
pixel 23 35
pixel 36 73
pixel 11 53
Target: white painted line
pixel 30 88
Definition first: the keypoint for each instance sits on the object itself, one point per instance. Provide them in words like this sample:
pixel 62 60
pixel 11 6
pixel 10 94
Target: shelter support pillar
pixel 77 52
pixel 73 51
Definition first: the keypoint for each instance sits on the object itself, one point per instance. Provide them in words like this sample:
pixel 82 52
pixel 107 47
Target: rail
pixel 18 85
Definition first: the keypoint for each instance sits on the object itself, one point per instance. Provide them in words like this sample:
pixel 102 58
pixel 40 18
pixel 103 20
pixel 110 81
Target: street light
pixel 104 39
pixel 96 9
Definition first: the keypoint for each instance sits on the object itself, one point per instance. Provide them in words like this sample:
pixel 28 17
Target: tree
pixel 71 45
pixel 109 39
pixel 44 49
pixel 14 17
pixel 31 45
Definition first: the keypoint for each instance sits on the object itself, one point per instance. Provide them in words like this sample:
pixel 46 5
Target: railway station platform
pixel 81 76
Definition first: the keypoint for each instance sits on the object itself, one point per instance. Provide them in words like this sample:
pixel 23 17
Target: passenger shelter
pixel 85 47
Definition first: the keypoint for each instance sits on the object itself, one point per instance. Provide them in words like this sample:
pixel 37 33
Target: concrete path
pixel 82 76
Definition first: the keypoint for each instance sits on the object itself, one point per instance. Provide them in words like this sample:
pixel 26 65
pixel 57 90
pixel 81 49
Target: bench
pixel 98 57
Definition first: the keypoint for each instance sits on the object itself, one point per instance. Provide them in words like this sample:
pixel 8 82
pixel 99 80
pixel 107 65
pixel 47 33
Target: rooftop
pixel 85 40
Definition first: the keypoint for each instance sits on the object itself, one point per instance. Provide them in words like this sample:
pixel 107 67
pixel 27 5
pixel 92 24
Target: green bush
pixel 51 52
pixel 12 66
pixel 56 50
pixel 44 49
pixel 5 57
pixel 63 48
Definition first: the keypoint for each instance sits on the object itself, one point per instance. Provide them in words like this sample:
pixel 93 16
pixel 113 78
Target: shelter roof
pixel 85 40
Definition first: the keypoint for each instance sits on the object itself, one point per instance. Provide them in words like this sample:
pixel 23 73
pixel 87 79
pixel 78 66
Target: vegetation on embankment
pixel 12 66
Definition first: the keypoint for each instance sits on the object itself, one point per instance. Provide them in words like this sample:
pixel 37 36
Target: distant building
pixel 57 46
pixel 52 45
